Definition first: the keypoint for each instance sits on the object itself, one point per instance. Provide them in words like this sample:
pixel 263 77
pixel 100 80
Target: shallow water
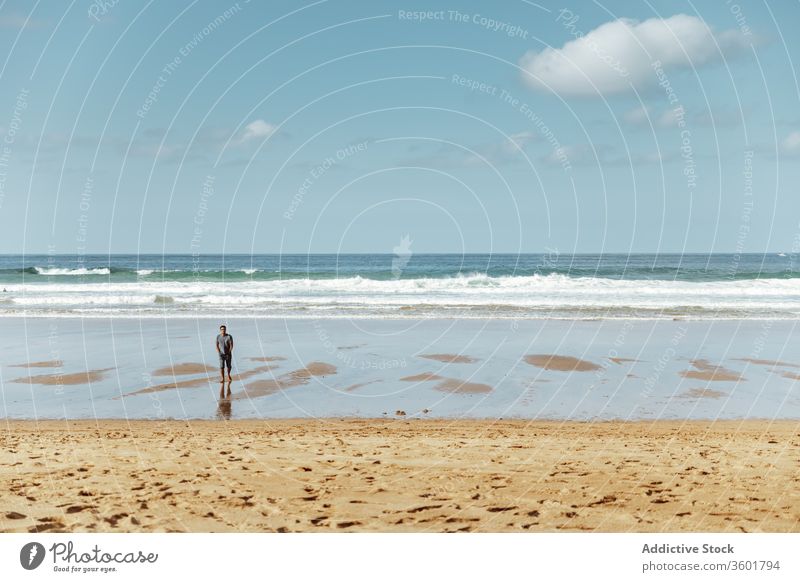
pixel 646 369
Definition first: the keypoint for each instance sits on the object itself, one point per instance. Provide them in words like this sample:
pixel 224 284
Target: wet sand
pixel 399 475
pixel 477 369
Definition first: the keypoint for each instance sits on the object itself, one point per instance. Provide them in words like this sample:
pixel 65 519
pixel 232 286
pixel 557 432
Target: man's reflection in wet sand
pixel 224 405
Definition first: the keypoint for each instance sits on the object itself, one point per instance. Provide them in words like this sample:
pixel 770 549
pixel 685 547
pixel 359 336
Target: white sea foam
pixel 478 294
pixel 55 271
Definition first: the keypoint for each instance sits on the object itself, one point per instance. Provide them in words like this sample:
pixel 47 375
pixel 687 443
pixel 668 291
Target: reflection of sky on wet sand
pixel 581 370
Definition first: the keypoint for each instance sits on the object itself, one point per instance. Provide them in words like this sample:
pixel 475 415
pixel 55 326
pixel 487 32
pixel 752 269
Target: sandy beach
pixel 399 476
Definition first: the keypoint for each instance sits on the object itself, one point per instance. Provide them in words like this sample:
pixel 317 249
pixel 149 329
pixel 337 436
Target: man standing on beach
pixel 224 345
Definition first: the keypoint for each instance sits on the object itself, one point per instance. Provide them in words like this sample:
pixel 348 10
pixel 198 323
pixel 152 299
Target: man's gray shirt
pixel 224 343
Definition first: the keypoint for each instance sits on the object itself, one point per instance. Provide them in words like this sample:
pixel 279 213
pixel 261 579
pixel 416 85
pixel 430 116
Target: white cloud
pixel 643 116
pixel 18 21
pixel 791 143
pixel 619 54
pixel 258 129
pixel 668 118
pixel 636 116
pixel 519 140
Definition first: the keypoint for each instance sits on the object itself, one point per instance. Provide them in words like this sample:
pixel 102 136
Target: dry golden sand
pixel 415 476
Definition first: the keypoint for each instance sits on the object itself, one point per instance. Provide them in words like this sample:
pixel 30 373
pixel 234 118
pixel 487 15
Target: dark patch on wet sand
pixel 704 370
pixel 47 364
pixel 197 382
pixel 450 358
pixel 354 387
pixel 267 359
pixel 65 379
pixel 560 363
pixel 449 384
pixel 702 393
pixel 183 369
pixel 424 377
pixel 192 383
pixel 289 380
pixel 462 387
pixel 771 363
pixel 623 360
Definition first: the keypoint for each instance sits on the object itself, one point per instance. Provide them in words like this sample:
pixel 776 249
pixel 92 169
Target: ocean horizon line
pixel 415 253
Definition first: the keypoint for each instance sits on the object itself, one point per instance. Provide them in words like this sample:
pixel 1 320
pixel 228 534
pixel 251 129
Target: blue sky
pixel 343 126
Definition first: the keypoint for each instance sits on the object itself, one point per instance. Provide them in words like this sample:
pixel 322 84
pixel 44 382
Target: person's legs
pixel 221 368
pixel 228 362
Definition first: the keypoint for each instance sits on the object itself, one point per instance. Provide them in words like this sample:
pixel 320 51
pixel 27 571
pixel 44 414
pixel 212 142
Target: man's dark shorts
pixel 224 360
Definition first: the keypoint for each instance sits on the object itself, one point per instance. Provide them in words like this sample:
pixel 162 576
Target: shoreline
pixel 400 476
pixel 409 418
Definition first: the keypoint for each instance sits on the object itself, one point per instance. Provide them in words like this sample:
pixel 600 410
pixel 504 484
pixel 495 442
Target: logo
pixel 402 254
pixel 31 555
